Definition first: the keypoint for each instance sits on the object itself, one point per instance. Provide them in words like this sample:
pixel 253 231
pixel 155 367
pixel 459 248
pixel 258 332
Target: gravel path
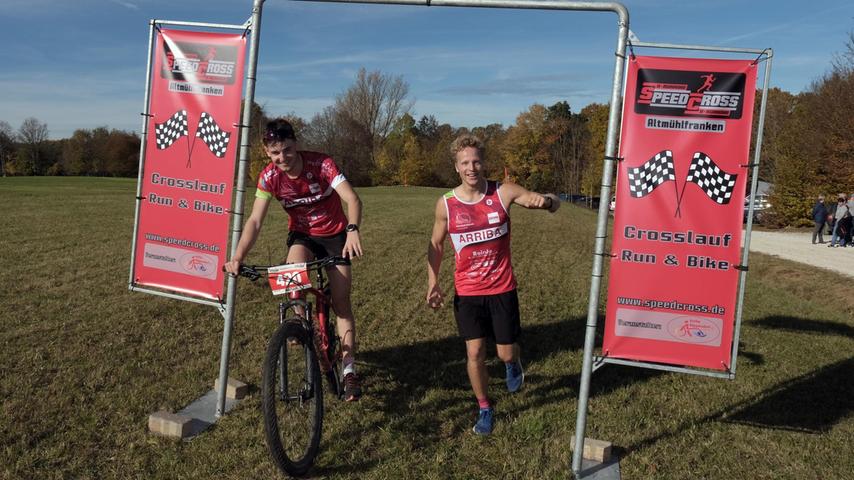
pixel 797 246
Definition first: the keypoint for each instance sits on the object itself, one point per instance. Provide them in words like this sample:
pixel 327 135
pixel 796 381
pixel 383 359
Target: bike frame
pixel 322 334
pixel 322 302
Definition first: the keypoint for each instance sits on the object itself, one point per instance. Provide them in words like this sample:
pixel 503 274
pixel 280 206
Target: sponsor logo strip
pixel 690 93
pixel 179 260
pixel 461 240
pixel 669 327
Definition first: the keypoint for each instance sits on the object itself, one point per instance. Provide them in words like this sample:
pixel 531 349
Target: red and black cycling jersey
pixel 313 205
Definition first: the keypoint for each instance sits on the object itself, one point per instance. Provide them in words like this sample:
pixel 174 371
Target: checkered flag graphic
pixel 717 183
pixel 214 137
pixel 168 132
pixel 657 170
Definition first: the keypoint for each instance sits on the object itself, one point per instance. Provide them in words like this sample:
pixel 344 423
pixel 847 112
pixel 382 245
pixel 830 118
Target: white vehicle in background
pixel 761 206
pixel 761 202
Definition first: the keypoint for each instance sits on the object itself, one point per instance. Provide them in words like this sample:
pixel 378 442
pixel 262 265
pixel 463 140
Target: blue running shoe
pixel 484 422
pixel 515 376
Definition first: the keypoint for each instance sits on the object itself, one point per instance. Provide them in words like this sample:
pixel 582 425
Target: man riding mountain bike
pixel 310 187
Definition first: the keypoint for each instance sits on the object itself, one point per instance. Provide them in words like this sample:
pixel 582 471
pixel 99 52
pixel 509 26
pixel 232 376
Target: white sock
pixel 349 368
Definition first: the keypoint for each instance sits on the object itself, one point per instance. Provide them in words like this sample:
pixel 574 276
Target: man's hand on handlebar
pixel 232 266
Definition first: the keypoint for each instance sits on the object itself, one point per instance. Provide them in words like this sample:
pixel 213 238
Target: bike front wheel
pixel 292 398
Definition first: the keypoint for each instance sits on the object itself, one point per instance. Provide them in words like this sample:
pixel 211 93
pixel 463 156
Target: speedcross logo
pixel 199 63
pixel 695 94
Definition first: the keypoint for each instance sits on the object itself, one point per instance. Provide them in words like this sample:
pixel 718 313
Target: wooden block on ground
pixel 169 424
pixel 598 450
pixel 234 389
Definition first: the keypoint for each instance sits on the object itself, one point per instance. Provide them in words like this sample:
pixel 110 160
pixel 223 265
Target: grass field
pixel 83 361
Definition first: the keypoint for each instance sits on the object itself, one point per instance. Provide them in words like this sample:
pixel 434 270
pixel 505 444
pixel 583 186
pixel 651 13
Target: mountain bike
pixel 304 348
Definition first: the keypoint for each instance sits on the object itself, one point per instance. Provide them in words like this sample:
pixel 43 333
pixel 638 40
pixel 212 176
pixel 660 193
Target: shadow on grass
pixel 795 324
pixel 432 375
pixel 811 403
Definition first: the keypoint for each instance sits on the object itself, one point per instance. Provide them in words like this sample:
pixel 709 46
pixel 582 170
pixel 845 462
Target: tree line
pixel 808 144
pixel 372 134
pixel 370 130
pixel 375 139
pixel 100 151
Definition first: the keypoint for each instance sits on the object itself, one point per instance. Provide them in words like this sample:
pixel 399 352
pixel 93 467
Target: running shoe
pixel 352 387
pixel 484 422
pixel 515 376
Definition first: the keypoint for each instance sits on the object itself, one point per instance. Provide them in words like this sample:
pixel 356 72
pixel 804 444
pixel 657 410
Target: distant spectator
pixel 819 216
pixel 831 216
pixel 840 218
pixel 850 221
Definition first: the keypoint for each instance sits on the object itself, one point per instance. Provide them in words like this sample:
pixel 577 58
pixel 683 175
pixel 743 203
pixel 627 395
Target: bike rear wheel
pixel 292 398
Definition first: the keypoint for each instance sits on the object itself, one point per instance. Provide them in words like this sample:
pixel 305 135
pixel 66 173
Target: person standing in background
pixel 819 216
pixel 839 216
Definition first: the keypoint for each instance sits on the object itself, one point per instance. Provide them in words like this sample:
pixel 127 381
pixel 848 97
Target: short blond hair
pixel 466 140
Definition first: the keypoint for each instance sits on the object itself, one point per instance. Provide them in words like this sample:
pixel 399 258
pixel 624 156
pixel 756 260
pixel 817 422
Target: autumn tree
pixel 525 151
pixel 28 159
pixel 257 123
pixel 596 124
pixel 77 153
pixel 566 137
pixel 494 137
pixel 778 110
pixel 816 144
pixel 122 154
pixel 391 157
pixel 99 151
pixel 439 151
pixel 7 145
pixel 354 128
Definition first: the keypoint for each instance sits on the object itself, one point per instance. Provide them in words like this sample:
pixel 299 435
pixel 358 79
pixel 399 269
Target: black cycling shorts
pixel 321 247
pixel 494 316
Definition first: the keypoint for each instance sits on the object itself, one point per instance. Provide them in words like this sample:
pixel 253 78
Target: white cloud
pixel 126 4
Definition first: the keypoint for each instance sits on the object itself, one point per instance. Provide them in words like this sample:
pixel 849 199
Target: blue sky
pixel 81 63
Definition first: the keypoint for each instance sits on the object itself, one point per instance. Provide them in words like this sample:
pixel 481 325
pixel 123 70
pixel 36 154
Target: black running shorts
pixel 495 316
pixel 321 247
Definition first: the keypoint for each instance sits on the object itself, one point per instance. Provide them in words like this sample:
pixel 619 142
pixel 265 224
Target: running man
pixel 476 215
pixel 310 188
pixel 707 83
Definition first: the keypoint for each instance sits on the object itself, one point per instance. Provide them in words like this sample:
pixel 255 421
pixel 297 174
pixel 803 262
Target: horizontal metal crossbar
pixel 532 4
pixel 200 24
pixel 767 51
pixel 667 368
pixel 217 305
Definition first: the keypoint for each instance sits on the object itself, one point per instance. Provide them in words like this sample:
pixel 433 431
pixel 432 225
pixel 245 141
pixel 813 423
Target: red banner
pixel 188 170
pixel 679 205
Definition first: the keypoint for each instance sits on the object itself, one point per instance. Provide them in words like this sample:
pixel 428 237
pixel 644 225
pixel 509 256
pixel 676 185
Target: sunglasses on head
pixel 279 135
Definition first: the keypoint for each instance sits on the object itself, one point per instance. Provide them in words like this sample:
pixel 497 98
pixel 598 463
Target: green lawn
pixel 83 361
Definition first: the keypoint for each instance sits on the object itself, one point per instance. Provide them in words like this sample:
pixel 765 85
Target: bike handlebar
pixel 254 272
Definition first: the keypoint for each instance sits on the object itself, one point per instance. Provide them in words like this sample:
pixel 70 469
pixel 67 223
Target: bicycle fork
pixel 306 391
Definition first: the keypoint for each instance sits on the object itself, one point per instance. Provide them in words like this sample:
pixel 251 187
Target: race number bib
pixel 288 278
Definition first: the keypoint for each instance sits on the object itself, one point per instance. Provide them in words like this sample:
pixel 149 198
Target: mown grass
pixel 83 361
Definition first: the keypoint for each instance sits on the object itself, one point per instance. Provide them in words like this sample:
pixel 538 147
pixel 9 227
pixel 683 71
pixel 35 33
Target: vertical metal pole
pixel 146 111
pixel 599 249
pixel 237 216
pixel 745 251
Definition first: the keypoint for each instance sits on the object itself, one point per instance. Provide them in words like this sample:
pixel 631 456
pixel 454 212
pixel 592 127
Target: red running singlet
pixel 480 233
